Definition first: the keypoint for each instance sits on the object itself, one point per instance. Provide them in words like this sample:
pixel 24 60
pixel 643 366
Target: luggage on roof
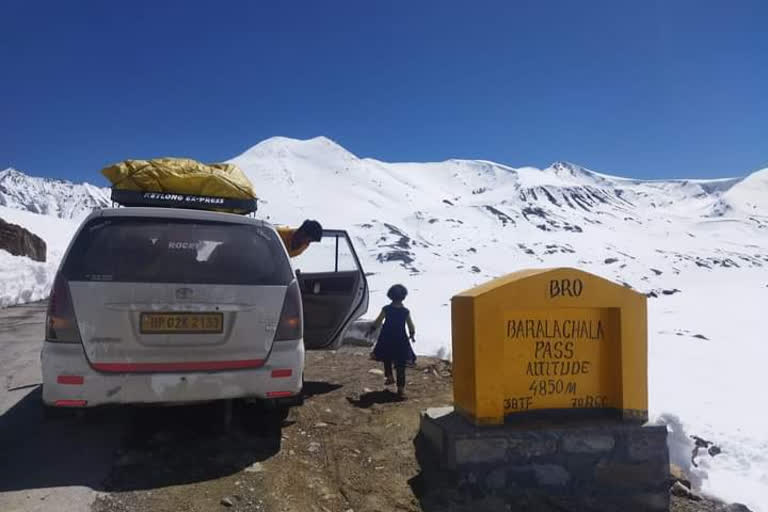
pixel 181 182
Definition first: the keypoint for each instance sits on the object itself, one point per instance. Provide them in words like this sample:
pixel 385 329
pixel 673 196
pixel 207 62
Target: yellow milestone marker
pixel 558 339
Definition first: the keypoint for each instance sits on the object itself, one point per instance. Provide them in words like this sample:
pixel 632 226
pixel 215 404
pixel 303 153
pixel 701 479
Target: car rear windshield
pixel 154 250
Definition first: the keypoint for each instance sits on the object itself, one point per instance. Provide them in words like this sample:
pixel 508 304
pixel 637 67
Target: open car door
pixel 334 290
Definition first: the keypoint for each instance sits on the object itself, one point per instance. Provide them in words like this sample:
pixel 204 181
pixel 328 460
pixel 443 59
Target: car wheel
pixel 282 413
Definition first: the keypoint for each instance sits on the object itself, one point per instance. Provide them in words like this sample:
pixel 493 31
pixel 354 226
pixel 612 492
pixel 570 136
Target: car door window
pixel 334 289
pixel 346 260
pixel 319 257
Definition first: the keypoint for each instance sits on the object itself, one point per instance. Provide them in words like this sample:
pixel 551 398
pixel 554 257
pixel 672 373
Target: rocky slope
pixel 20 242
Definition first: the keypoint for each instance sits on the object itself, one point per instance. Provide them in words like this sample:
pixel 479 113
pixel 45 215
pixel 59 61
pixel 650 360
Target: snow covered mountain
pixel 698 248
pixel 473 219
pixel 48 196
pixel 477 217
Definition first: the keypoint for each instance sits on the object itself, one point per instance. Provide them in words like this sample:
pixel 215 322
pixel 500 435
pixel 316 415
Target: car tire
pixel 282 413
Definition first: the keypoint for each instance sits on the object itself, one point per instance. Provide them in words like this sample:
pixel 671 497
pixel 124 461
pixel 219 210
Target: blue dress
pixel 393 343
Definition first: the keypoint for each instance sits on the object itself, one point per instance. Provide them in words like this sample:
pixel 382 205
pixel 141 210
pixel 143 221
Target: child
pixel 392 346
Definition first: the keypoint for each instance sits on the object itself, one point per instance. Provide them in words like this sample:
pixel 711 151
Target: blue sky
pixel 645 89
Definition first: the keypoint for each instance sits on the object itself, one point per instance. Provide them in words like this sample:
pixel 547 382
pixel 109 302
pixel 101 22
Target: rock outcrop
pixel 20 242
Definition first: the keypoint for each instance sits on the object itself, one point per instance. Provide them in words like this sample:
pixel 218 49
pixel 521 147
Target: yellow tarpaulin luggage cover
pixel 180 176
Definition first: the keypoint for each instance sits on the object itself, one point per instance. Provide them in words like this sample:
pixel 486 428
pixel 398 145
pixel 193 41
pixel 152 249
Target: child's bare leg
pixel 400 367
pixel 388 380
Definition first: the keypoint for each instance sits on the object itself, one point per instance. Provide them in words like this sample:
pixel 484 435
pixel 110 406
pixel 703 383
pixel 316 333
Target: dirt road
pixel 350 447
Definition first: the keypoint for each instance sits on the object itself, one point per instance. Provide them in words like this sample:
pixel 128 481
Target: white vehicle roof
pixel 177 213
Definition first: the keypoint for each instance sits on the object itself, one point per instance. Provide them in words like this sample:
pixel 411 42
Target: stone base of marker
pixel 594 465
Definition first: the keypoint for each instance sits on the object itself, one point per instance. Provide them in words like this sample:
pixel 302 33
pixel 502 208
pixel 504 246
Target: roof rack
pixel 189 201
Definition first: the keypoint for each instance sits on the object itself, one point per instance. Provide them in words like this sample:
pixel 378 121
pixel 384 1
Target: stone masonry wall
pixel 602 466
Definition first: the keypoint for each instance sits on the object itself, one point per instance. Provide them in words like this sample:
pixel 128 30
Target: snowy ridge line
pixel 59 198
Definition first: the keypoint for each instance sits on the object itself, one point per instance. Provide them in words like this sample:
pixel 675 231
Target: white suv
pixel 161 305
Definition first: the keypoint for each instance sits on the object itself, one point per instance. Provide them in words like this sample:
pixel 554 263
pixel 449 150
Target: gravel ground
pixel 350 447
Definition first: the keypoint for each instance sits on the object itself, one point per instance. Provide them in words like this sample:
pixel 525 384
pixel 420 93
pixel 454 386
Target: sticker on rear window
pixel 178 244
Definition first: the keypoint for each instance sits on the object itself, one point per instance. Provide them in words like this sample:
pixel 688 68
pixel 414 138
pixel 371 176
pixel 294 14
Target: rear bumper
pixel 68 380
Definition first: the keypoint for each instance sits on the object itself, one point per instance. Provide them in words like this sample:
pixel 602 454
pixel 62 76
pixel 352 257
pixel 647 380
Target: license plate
pixel 182 323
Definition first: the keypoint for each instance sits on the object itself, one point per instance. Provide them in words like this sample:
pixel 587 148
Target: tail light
pixel 61 326
pixel 291 326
